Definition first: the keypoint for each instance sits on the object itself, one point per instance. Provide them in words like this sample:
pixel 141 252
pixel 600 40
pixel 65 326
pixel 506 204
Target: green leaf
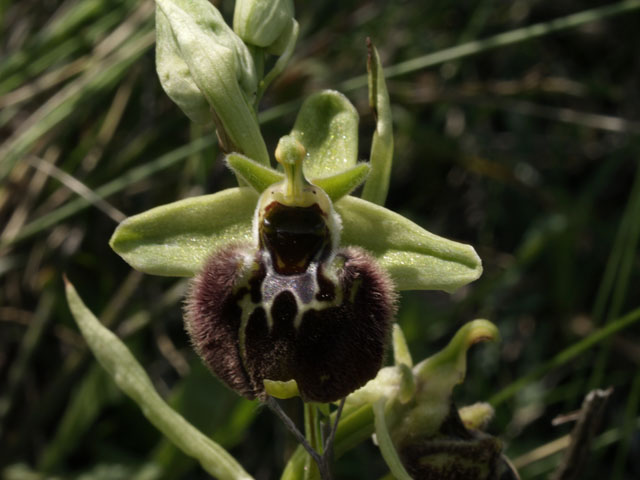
pixel 131 378
pixel 222 68
pixel 175 239
pixel 260 177
pixel 327 126
pixel 377 185
pixel 415 258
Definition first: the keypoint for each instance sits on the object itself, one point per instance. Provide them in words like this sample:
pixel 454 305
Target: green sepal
pixel 175 239
pixel 327 127
pixel 131 378
pixel 381 157
pixel 415 258
pixel 261 177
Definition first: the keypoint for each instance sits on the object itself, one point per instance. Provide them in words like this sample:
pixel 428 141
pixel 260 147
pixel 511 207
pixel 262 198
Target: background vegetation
pixel 527 151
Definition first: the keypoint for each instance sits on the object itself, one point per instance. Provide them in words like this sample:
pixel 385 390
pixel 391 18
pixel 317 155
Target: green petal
pixel 343 183
pixel 129 375
pixel 415 258
pixel 375 190
pixel 255 174
pixel 327 126
pixel 260 177
pixel 175 239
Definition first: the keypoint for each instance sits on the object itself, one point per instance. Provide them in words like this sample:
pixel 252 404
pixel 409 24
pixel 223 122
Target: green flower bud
pixel 200 62
pixel 262 22
pixel 419 430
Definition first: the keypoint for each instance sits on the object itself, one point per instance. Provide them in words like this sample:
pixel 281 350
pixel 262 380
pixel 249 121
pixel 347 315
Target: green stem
pixel 500 40
pixel 313 434
pixel 622 263
pixel 356 426
pixel 385 444
pixel 566 355
pixel 626 431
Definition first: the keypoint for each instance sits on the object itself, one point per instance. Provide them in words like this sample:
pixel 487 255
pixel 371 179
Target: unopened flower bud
pixel 262 22
pixel 203 65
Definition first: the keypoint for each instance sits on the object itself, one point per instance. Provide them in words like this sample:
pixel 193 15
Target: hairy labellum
pixel 292 305
pixel 455 453
pixel 326 328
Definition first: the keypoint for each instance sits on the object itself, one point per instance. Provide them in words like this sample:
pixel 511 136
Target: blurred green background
pixel 529 152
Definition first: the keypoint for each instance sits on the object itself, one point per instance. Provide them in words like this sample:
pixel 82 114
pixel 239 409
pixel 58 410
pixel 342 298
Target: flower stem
pixel 313 434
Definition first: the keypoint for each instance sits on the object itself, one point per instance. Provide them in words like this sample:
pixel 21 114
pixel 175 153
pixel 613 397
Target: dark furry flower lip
pixel 289 305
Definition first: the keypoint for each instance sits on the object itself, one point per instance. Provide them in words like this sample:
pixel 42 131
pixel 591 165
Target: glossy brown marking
pixel 294 236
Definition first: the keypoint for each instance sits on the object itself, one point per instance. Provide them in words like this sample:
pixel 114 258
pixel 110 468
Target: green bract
pixel 194 34
pixel 174 74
